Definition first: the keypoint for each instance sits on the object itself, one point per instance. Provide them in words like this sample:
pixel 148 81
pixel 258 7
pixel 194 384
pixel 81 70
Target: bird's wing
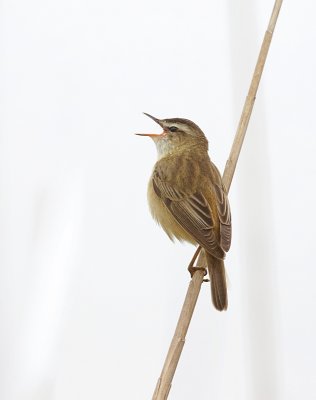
pixel 193 213
pixel 223 210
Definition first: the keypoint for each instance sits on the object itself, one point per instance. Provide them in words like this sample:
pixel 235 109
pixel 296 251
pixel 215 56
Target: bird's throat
pixel 164 147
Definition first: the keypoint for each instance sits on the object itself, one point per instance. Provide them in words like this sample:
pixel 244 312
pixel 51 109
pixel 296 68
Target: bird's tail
pixel 216 270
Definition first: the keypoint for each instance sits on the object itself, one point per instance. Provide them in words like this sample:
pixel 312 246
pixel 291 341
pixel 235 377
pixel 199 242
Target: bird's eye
pixel 173 129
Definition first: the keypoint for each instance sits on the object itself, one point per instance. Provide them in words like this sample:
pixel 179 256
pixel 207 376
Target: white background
pixel 90 287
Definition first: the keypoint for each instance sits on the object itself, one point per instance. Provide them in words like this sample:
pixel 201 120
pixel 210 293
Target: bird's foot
pixel 193 270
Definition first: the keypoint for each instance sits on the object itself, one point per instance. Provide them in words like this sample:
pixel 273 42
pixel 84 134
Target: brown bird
pixel 187 197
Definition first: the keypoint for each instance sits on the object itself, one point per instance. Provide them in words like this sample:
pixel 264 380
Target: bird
pixel 188 199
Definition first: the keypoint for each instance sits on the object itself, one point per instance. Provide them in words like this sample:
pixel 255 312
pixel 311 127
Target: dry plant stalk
pixel 164 382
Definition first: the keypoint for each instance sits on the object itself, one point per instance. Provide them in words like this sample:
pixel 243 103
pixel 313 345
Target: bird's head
pixel 178 134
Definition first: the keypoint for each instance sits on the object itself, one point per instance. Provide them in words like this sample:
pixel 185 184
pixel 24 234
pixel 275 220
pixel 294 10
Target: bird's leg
pixel 192 269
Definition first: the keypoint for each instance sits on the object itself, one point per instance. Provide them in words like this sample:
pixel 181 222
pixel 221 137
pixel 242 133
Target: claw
pixel 192 270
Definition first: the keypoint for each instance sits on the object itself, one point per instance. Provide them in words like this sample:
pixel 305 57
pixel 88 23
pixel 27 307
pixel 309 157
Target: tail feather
pixel 216 270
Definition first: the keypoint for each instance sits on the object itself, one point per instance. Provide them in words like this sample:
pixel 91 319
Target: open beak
pixel 152 135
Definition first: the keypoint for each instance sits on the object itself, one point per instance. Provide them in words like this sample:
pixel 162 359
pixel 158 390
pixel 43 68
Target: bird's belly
pixel 163 216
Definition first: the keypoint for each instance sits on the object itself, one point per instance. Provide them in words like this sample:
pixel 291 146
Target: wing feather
pixel 192 212
pixel 224 216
